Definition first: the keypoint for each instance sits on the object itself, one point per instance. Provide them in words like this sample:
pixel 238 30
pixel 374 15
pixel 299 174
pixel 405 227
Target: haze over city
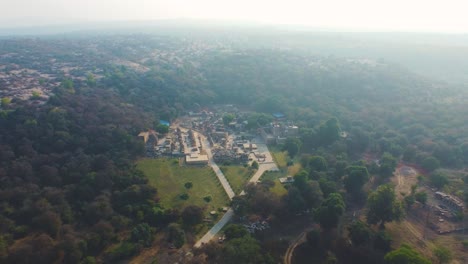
pixel 359 15
pixel 248 131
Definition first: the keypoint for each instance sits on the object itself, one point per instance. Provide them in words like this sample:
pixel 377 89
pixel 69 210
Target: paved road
pixel 269 164
pixel 217 170
pixel 216 228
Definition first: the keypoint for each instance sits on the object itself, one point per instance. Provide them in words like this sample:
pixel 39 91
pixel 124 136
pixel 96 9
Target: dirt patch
pixel 404 177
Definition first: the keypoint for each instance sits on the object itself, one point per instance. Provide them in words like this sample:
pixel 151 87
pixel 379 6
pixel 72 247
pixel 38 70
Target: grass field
pixel 280 157
pixel 237 176
pixel 274 176
pixel 169 179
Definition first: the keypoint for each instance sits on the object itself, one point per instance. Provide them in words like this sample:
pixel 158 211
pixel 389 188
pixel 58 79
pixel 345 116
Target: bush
pixel 123 251
pixel 184 196
pixel 439 180
pixel 176 235
pixel 188 185
pixel 465 244
pixel 207 198
pixel 142 234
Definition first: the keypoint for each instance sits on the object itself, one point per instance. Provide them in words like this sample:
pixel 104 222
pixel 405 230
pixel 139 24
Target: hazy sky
pixel 405 15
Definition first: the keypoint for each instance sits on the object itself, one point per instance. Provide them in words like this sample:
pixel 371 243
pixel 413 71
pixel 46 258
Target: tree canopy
pixel 330 212
pixel 383 206
pixel 405 255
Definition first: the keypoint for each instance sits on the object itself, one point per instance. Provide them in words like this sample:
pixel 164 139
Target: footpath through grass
pixel 170 179
pixel 237 176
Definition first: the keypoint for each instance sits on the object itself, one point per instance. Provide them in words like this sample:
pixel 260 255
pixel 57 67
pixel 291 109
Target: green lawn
pixel 237 176
pixel 281 157
pixel 274 176
pixel 169 179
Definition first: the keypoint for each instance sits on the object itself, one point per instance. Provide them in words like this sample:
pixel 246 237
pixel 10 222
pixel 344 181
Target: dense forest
pixel 70 192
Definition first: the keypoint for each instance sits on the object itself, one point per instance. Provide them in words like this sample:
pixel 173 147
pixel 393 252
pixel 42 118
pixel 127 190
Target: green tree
pixel 240 205
pixel 5 101
pixel 421 197
pixel 90 80
pixel 383 206
pixel 318 163
pixel 292 146
pixel 192 215
pixel 142 234
pixel 430 164
pixel 35 95
pixel 233 231
pixel 300 179
pixel 255 165
pixel 242 250
pixel 228 118
pixel 443 255
pixel 387 165
pixel 359 233
pixel 162 129
pixel 382 241
pixel 357 177
pixel 327 186
pixel 294 200
pixel 313 238
pixel 438 179
pixel 68 85
pixel 405 255
pixel 176 235
pixel 3 248
pixel 329 131
pixel 330 212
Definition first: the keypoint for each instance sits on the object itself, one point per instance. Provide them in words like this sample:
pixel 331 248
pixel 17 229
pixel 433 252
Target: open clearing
pixel 414 229
pixel 237 176
pixel 169 179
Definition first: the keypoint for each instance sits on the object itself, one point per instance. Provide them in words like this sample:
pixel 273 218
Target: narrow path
pixel 296 242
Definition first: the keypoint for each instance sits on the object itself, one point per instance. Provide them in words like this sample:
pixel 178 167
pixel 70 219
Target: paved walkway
pixel 269 164
pixel 227 187
pixel 216 228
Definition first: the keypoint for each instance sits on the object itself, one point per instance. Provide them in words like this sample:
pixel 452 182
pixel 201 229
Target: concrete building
pixel 285 180
pixel 450 200
pixel 196 159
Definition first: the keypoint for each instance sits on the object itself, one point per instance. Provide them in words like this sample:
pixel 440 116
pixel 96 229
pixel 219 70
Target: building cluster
pixel 451 201
pixel 21 83
pixel 278 131
pixel 229 140
pixel 177 144
pixel 150 139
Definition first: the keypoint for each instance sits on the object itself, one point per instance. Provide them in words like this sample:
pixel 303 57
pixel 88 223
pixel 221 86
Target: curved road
pixel 296 242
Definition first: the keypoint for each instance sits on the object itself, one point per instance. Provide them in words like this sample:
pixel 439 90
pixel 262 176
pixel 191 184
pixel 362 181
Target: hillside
pixel 72 108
